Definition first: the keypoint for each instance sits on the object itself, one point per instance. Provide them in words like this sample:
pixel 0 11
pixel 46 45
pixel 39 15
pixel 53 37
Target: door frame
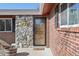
pixel 34 30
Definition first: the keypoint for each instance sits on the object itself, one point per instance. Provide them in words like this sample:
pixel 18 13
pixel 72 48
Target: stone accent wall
pixel 24 31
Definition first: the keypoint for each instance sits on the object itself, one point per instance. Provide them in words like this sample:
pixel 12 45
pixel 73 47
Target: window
pixel 63 14
pixel 8 25
pixel 73 14
pixel 69 15
pixel 2 25
pixel 5 24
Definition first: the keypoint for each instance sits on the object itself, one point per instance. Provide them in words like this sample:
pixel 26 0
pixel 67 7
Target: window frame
pixel 5 24
pixel 57 23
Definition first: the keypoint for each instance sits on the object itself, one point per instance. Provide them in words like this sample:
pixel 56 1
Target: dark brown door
pixel 39 31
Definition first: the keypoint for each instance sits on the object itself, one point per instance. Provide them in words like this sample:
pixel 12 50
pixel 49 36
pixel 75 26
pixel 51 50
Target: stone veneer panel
pixel 24 31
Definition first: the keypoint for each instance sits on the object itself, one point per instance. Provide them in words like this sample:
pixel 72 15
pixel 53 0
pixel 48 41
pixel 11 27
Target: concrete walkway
pixel 32 52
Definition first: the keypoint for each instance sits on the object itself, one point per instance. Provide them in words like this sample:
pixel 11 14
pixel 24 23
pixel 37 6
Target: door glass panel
pixel 39 36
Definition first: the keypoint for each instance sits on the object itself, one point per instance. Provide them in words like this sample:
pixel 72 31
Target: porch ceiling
pixel 47 8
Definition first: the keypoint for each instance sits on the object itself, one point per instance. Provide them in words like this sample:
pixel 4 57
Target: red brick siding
pixel 8 37
pixel 65 43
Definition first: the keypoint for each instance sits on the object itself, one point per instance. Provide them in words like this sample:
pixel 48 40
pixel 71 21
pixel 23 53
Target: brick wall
pixel 62 43
pixel 8 37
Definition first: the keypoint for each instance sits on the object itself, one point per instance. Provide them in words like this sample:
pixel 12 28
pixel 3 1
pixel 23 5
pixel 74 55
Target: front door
pixel 39 31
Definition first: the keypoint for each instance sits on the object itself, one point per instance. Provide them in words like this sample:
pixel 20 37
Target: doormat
pixel 22 54
pixel 38 48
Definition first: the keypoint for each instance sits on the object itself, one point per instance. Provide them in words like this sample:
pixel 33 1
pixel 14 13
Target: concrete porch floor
pixel 32 52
